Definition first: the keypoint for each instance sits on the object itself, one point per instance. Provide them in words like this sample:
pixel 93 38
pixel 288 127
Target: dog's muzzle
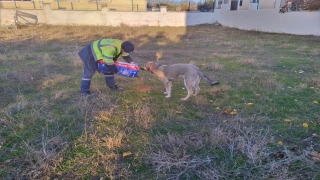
pixel 143 68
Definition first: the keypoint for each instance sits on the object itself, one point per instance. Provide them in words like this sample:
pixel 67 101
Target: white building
pixel 248 4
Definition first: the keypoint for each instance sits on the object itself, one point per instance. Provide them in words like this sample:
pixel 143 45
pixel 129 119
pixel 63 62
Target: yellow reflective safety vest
pixel 107 49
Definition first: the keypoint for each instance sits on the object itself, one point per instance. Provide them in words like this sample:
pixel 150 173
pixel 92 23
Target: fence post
pixel 132 5
pixel 34 6
pixel 97 4
pixel 15 5
pixel 58 5
pixel 137 7
pixel 71 5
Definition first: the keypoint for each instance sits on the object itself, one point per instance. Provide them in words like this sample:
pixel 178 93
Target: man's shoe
pixel 116 88
pixel 87 94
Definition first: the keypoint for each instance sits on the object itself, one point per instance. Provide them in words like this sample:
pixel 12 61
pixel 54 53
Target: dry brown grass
pixel 54 81
pixel 174 156
pixel 200 100
pixel 315 81
pixel 248 61
pixel 114 142
pixel 214 66
pixel 271 83
pixel 226 54
pixel 315 51
pixel 143 117
pixel 218 90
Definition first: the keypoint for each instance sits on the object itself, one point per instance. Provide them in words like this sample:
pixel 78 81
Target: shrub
pixel 206 6
pixel 296 5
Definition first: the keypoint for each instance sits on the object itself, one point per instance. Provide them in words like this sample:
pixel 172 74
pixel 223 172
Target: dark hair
pixel 127 46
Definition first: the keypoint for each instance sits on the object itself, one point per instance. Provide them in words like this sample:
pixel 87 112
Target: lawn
pixel 261 122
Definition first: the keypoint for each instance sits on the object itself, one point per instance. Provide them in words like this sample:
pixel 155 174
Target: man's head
pixel 127 46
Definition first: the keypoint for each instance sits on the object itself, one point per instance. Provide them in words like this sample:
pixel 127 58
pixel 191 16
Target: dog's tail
pixel 210 81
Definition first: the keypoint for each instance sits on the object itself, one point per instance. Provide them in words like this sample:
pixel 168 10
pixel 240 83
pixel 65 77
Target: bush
pixel 206 6
pixel 297 5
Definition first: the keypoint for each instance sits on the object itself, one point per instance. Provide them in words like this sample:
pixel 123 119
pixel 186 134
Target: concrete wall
pixel 118 5
pixel 112 18
pixel 270 20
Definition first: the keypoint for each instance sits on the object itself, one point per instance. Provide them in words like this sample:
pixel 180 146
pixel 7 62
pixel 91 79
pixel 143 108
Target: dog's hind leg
pixel 189 87
pixel 196 87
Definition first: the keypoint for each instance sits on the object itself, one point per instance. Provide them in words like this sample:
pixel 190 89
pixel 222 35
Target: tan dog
pixel 190 73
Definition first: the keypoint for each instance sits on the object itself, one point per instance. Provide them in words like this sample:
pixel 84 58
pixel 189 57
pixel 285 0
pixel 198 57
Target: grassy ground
pixel 261 122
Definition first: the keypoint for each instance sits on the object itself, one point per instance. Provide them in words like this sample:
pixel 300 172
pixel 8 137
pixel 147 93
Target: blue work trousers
pixel 90 67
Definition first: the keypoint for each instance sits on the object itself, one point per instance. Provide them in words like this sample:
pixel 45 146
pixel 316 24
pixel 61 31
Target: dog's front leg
pixel 168 85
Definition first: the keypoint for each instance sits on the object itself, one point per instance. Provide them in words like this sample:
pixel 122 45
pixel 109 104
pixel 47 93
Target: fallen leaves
pixel 280 143
pixel 250 104
pixel 125 154
pixel 315 156
pixel 177 112
pixel 315 153
pixel 315 102
pixel 234 112
pixel 231 112
pixel 173 110
pixel 305 125
pixel 314 135
pixel 287 120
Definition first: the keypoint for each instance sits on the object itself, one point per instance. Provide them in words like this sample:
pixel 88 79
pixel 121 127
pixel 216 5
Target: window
pixel 240 4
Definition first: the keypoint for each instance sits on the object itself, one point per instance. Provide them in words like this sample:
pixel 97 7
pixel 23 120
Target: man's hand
pixel 100 61
pixel 102 66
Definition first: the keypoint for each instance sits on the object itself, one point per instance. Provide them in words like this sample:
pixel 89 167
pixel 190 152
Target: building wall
pixel 114 5
pixel 270 4
pixel 245 5
pixel 264 4
pixel 270 20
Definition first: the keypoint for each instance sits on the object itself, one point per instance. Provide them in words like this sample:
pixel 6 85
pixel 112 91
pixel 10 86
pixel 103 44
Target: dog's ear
pixel 158 55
